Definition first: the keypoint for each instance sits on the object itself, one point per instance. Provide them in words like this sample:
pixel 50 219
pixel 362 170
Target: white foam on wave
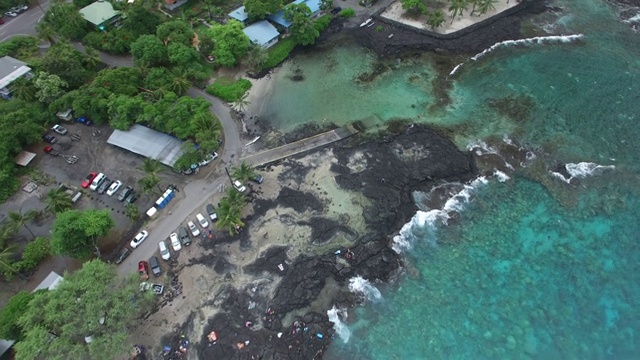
pixel 560 176
pixel 584 169
pixel 340 327
pixel 360 285
pixel 455 69
pixel 481 148
pixel 530 41
pixel 502 177
pixel 424 224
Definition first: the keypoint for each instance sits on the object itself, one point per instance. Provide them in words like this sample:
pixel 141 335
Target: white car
pixel 11 14
pixel 142 235
pixel 238 186
pixel 208 159
pixel 114 187
pixel 175 242
pixel 59 129
pixel 164 250
pixel 203 222
pixel 193 228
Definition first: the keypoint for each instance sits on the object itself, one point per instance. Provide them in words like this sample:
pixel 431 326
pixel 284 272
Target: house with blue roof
pixel 240 14
pixel 278 17
pixel 262 33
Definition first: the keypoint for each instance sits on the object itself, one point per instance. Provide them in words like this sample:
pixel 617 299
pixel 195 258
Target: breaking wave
pixel 340 327
pixel 360 285
pixel 581 170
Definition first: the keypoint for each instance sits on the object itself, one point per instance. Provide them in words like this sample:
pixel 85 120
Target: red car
pixel 87 181
pixel 143 270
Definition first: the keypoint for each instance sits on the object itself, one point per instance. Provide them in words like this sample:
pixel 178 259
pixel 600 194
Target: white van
pixel 98 181
pixel 164 250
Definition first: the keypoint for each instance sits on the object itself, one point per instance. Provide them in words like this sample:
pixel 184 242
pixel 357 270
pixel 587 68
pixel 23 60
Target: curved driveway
pixel 23 24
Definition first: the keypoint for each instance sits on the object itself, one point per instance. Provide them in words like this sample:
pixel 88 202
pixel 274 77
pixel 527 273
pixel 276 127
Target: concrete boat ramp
pixel 300 146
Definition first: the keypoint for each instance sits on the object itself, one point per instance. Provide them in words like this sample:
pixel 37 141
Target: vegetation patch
pixel 347 13
pixel 21 47
pixel 228 89
pixel 279 52
pixel 323 22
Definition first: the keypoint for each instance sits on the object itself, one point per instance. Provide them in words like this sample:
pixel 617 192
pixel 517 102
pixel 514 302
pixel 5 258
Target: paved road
pixel 196 193
pixel 23 24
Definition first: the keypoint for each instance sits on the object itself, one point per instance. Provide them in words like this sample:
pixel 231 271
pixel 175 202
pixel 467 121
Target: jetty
pixel 300 146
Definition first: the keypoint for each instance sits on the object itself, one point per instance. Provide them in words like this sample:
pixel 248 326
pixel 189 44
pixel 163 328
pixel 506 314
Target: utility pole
pixel 229 175
pixel 38 4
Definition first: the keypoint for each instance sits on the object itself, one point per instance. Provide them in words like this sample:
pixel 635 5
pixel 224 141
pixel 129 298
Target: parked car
pixel 59 129
pixel 175 242
pixel 143 270
pixel 155 266
pixel 1 21
pixel 257 178
pixel 212 212
pixel 11 14
pixel 131 198
pixel 49 138
pixel 84 120
pixel 22 7
pixel 208 159
pixel 184 236
pixel 51 151
pixel 164 250
pixel 122 255
pixel 142 235
pixel 336 10
pixel 201 219
pixel 124 193
pixel 97 181
pixel 114 187
pixel 238 186
pixel 104 186
pixel 193 228
pixel 88 180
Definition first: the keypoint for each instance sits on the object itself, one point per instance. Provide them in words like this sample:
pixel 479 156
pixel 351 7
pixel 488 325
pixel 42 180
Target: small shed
pixel 262 34
pixel 24 158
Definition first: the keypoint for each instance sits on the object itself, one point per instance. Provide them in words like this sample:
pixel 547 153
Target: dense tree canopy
pixel 65 19
pixel 68 63
pixel 231 44
pixel 91 303
pixel 302 29
pixel 11 313
pixel 259 9
pixel 49 87
pixel 176 31
pixel 141 21
pixel 149 50
pixel 75 233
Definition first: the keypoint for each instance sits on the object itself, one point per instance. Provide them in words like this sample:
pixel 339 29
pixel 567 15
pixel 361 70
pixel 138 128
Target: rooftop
pixel 261 33
pixel 98 12
pixel 10 70
pixel 239 14
pixel 24 158
pixel 148 143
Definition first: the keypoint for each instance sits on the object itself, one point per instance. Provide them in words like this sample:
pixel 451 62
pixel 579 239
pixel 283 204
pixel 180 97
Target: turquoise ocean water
pixel 534 268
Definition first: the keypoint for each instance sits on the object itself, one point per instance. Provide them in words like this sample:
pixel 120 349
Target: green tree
pixel 180 82
pixel 257 56
pixel 241 104
pixel 34 253
pixel 75 233
pixel 50 87
pixel 124 110
pixel 152 169
pixel 122 80
pixel 150 50
pixel 91 302
pixel 68 63
pixel 485 6
pixel 132 212
pixel 457 7
pixel 66 20
pixel 208 130
pixel 302 29
pixel 229 215
pixel 7 265
pixel 236 198
pixel 414 7
pixel 175 31
pixel 326 4
pixel 17 305
pixel 23 89
pixel 19 219
pixel 92 57
pixel 231 44
pixel 141 21
pixel 46 32
pixel 436 19
pixel 259 9
pixel 243 172
pixel 57 201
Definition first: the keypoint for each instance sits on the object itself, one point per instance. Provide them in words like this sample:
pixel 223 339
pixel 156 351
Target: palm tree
pixel 241 104
pixel 180 82
pixel 18 220
pixel 150 185
pixel 485 5
pixel 132 212
pixel 6 260
pixel 58 201
pixel 23 89
pixel 457 7
pixel 236 198
pixel 256 57
pixel 229 216
pixel 152 168
pixel 92 57
pixel 243 172
pixel 46 32
pixel 436 19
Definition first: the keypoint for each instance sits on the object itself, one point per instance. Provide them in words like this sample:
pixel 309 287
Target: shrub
pixel 279 52
pixel 229 90
pixel 379 28
pixel 19 47
pixel 34 253
pixel 322 22
pixel 116 41
pixel 346 13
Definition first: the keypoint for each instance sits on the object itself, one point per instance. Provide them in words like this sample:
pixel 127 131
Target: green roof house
pixel 100 14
